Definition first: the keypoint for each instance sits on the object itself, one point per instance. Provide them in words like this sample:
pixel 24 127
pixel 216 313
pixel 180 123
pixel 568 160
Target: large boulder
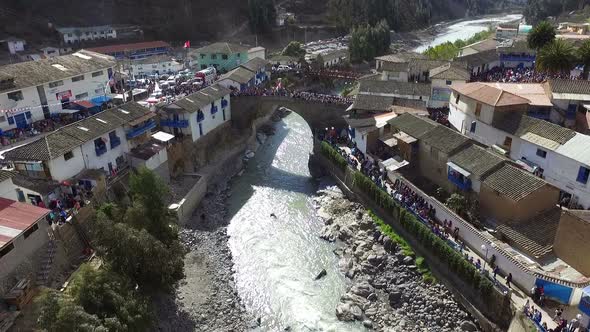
pixel 394 297
pixel 468 326
pixel 363 289
pixel 343 312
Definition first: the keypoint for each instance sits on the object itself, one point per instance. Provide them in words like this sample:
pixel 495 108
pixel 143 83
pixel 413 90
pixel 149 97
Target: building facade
pixel 73 35
pixel 33 91
pixel 223 56
pixel 134 51
pixel 159 64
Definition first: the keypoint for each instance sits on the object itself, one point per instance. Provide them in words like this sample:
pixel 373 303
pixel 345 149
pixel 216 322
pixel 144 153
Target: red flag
pixel 187 44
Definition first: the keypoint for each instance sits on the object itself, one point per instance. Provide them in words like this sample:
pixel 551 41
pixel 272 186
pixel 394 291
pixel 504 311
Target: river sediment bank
pixel 387 292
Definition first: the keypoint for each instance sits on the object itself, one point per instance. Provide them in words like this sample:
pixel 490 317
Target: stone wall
pixel 571 242
pixel 192 199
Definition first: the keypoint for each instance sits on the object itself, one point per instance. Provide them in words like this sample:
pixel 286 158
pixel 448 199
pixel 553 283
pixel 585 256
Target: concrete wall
pixel 432 164
pixel 19 262
pixel 504 209
pixel 62 169
pixel 8 190
pixel 93 161
pixel 191 200
pixel 571 242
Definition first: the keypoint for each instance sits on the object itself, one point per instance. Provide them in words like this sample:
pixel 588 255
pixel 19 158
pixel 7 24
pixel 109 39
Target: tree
pixel 583 54
pixel 262 14
pixel 294 49
pixel 318 62
pixel 59 313
pixel 541 35
pixel 456 203
pixel 556 57
pixel 368 41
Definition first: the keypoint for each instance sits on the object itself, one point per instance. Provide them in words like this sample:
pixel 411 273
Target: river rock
pixel 322 274
pixel 394 297
pixel 468 326
pixel 343 312
pixel 356 311
pixel 408 260
pixel 359 214
pixel 363 289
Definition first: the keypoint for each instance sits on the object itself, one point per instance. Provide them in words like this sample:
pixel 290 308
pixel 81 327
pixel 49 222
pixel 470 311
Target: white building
pixel 72 35
pixel 257 52
pixel 497 118
pixel 50 52
pixel 157 64
pixel 507 32
pixel 97 142
pixel 32 91
pixel 7 187
pixel 15 45
pixel 442 78
pixel 252 73
pixel 569 97
pixel 197 114
pixel 478 47
pixel 398 90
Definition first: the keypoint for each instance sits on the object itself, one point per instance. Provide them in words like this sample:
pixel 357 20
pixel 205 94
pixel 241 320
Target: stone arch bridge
pixel 317 114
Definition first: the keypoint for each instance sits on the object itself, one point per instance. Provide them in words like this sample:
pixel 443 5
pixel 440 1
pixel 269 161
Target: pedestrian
pixel 509 280
pixel 496 270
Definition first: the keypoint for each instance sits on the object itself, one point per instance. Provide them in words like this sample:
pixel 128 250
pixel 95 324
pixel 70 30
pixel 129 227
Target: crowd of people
pixel 562 324
pixel 261 91
pixel 515 75
pixel 66 204
pixel 323 98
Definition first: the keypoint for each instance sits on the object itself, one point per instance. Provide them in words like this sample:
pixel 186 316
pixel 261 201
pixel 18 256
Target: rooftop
pixel 109 49
pixel 372 103
pixel 146 151
pixel 16 217
pixel 239 74
pixel 488 94
pixel 34 73
pixel 580 214
pixel 534 92
pixel 5 175
pixel 255 64
pixel 476 160
pixel 67 138
pixel 451 71
pixel 579 87
pixel 484 45
pixel 415 126
pixel 520 125
pixel 153 59
pixel 513 182
pixel 204 97
pixel 393 88
pixel 222 47
pixel 444 139
pixel 478 59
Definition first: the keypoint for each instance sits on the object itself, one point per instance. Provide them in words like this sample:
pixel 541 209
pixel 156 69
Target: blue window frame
pixel 28 115
pixel 583 175
pixel 11 120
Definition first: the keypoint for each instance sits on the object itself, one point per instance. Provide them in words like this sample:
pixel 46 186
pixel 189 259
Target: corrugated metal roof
pixel 577 148
pixel 16 217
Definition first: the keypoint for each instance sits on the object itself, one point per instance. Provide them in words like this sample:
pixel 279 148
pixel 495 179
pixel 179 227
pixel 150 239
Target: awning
pixel 66 111
pixel 162 136
pixel 98 101
pixel 142 119
pixel 458 169
pixel 395 163
pixel 84 104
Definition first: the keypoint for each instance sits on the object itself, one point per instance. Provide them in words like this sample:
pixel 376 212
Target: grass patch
pixel 405 247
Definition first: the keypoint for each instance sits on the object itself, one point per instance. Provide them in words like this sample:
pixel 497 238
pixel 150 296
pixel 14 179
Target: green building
pixel 223 56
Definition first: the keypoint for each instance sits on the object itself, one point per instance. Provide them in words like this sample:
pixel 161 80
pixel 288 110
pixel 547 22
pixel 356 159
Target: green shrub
pixel 329 152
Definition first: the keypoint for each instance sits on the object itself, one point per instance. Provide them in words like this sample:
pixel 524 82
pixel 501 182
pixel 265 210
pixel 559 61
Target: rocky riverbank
pixel 387 292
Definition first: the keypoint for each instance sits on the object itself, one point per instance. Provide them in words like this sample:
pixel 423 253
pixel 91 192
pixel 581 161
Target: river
pixel 466 29
pixel 277 258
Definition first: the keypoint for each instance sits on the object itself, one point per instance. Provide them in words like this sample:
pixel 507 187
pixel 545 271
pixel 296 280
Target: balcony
pixel 115 141
pixel 458 176
pixel 224 103
pixel 214 109
pixel 174 123
pixel 149 125
pixel 100 150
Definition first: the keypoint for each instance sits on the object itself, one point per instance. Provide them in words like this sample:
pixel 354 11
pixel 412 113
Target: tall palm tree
pixel 584 57
pixel 541 35
pixel 556 57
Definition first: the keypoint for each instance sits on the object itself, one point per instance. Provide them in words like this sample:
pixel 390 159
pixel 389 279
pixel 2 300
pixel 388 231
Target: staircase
pixel 47 262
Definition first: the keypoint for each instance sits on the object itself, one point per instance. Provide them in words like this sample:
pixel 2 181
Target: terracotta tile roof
pixel 477 160
pixel 534 92
pixel 512 182
pixel 478 59
pixel 5 175
pixel 488 94
pixel 484 45
pixel 569 86
pixel 255 64
pixel 444 139
pixel 581 214
pixel 129 47
pixel 394 88
pixel 240 75
pixel 415 126
pixel 519 125
pixel 451 71
pixel 372 103
pixel 193 102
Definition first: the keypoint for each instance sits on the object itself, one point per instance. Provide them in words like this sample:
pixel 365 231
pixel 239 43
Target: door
pixel 20 120
pixel 110 168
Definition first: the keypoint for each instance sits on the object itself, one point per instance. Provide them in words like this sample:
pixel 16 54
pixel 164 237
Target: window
pixel 82 96
pixel 457 98
pixel 541 153
pixel 69 155
pixel 238 55
pixel 16 95
pixel 508 142
pixel 28 114
pixel 478 110
pixel 31 230
pixel 448 82
pixel 203 66
pixel 224 56
pixel 77 78
pixel 213 56
pixel 203 56
pixel 10 120
pixel 56 84
pixel 2 118
pixel 583 175
pixel 154 66
pixel 6 250
pixel 473 125
pixel 97 73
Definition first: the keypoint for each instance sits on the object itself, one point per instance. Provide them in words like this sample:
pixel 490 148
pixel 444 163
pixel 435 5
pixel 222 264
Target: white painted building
pixel 252 73
pixel 257 52
pixel 7 187
pixel 72 35
pixel 50 52
pixel 197 114
pixel 32 91
pixel 157 64
pixel 399 90
pixel 497 118
pixel 15 45
pixel 97 142
pixel 442 78
pixel 568 97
